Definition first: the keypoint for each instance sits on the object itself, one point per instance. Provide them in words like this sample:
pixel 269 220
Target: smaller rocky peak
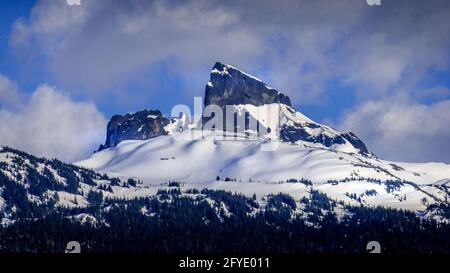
pixel 141 125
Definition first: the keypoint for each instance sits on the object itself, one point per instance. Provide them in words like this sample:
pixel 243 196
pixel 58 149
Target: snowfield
pixel 203 157
pixel 205 160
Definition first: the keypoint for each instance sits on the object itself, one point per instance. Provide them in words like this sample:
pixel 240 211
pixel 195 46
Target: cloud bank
pixel 51 124
pixel 403 130
pixel 9 93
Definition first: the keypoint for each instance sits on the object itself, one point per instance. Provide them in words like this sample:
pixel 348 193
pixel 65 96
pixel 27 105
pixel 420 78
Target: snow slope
pixel 280 117
pixel 193 156
pixel 198 158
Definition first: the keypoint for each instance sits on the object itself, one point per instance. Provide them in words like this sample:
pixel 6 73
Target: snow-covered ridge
pixel 196 164
pixel 282 123
pixel 207 161
pixel 202 156
pixel 237 92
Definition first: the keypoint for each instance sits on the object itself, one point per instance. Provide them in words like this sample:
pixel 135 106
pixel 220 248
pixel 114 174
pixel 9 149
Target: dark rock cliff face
pixel 229 86
pixel 298 132
pixel 141 125
pixel 356 142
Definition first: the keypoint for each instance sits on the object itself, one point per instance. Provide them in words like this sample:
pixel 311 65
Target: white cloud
pixel 403 130
pixel 434 93
pixel 51 124
pixel 9 93
pixel 107 42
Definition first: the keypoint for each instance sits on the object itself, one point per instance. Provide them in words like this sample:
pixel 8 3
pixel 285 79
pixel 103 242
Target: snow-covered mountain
pixel 246 101
pixel 284 149
pixel 148 159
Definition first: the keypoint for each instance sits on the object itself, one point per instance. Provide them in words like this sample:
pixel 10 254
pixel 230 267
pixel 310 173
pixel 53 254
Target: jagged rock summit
pixel 141 125
pixel 230 86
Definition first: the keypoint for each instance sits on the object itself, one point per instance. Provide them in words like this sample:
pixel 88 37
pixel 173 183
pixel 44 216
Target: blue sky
pixel 381 72
pixel 9 12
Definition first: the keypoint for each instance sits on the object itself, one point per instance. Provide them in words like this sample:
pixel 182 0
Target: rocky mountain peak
pixel 141 125
pixel 230 86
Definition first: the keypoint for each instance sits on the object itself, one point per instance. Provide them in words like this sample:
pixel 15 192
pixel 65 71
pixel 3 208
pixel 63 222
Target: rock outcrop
pixel 230 86
pixel 141 125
